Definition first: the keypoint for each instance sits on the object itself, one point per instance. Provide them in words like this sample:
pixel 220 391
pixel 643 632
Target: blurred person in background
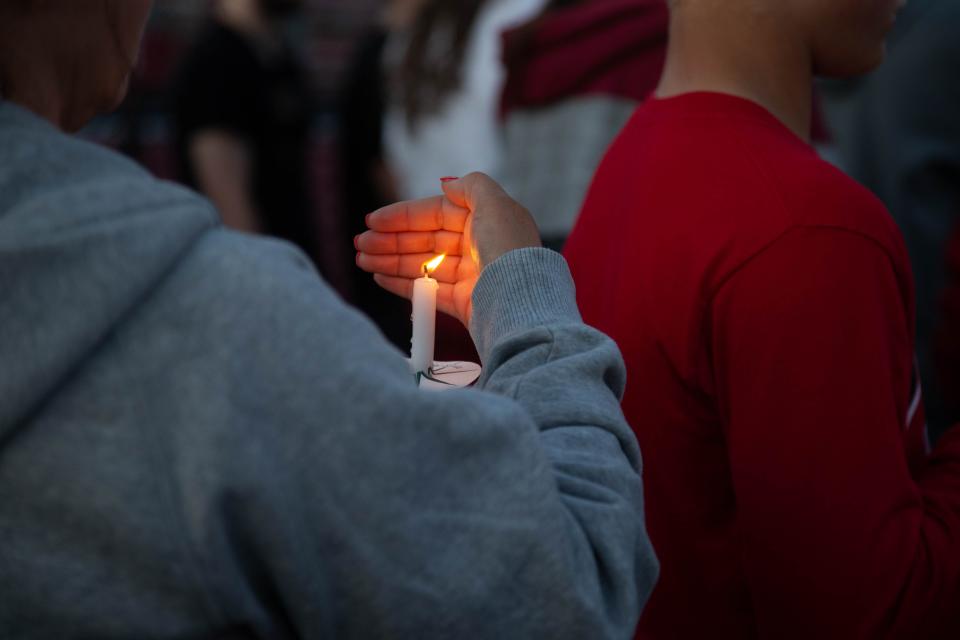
pixel 198 439
pixel 243 112
pixel 575 74
pixel 446 75
pixel 366 183
pixel 897 132
pixel 948 336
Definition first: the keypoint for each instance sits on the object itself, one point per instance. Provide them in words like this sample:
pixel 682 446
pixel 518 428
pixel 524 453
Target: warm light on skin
pixel 430 267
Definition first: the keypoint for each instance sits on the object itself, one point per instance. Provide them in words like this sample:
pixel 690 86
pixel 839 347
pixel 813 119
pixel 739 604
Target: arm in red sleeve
pixel 812 358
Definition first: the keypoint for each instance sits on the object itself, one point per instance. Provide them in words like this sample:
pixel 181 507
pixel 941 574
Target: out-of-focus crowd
pixel 298 117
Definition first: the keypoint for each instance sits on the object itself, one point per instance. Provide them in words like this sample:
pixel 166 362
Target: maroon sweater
pixel 612 48
pixel 764 304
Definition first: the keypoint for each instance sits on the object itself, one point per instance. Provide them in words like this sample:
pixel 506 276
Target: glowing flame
pixel 430 267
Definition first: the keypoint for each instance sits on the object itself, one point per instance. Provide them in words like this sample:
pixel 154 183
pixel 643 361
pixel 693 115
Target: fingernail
pixel 449 179
pixel 356 242
pixel 366 219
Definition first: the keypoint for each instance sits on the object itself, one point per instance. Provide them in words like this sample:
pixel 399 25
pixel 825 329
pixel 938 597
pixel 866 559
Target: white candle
pixel 424 318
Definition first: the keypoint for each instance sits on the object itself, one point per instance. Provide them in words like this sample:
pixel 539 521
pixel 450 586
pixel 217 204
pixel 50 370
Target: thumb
pixel 467 192
pixel 455 191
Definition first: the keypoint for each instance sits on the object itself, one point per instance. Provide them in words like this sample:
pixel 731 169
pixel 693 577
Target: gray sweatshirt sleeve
pixel 342 501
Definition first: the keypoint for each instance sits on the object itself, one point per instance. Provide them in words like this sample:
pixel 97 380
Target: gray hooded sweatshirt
pixel 198 439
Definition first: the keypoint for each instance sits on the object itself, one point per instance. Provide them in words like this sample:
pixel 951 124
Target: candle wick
pixel 426 271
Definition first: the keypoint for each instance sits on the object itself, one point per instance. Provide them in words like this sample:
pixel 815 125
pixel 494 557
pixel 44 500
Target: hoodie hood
pixel 608 47
pixel 85 236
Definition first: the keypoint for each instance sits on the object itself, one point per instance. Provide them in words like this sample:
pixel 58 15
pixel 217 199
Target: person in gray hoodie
pixel 198 439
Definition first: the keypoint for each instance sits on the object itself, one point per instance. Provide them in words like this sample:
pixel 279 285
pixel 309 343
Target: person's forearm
pixel 534 344
pixel 570 378
pixel 236 211
pixel 224 170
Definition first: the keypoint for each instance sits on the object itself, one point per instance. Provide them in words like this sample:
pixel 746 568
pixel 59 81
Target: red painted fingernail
pixel 449 179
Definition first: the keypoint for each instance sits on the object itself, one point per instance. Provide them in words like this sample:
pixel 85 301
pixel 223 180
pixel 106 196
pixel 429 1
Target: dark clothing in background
pixel 948 338
pixel 362 104
pixel 898 133
pixel 363 177
pixel 228 84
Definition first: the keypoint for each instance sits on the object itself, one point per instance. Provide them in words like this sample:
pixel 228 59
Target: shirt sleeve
pixel 812 355
pixel 343 501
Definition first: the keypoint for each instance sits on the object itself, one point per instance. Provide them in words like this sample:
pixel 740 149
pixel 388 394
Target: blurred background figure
pixel 575 74
pixel 947 345
pixel 243 113
pixel 445 76
pixel 442 69
pixel 366 183
pixel 898 133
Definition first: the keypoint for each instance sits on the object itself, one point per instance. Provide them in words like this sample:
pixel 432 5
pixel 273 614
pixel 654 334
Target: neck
pixel 400 14
pixel 746 54
pixel 34 81
pixel 245 17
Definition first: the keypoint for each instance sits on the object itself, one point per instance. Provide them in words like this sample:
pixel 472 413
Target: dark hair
pixel 561 4
pixel 432 66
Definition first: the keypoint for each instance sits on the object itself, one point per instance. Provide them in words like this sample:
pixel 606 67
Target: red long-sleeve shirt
pixel 764 304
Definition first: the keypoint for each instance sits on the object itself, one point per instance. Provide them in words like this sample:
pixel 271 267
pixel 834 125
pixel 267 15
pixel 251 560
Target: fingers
pixel 429 214
pixel 409 265
pixel 412 215
pixel 434 242
pixel 403 287
pixel 468 192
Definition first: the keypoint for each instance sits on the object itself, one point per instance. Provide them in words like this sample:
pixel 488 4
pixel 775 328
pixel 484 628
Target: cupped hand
pixel 473 224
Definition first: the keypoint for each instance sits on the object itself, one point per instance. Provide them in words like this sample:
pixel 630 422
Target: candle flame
pixel 430 267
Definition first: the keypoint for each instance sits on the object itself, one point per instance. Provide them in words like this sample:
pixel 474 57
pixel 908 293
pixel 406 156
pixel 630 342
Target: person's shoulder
pixel 258 316
pixel 700 136
pixel 28 140
pixel 814 195
pixel 717 178
pixel 702 162
pixel 260 288
pixel 43 166
pixel 229 270
pixel 817 194
pixel 744 162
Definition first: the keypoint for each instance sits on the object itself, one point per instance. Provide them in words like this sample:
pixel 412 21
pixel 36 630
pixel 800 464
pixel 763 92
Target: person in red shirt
pixel 765 306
